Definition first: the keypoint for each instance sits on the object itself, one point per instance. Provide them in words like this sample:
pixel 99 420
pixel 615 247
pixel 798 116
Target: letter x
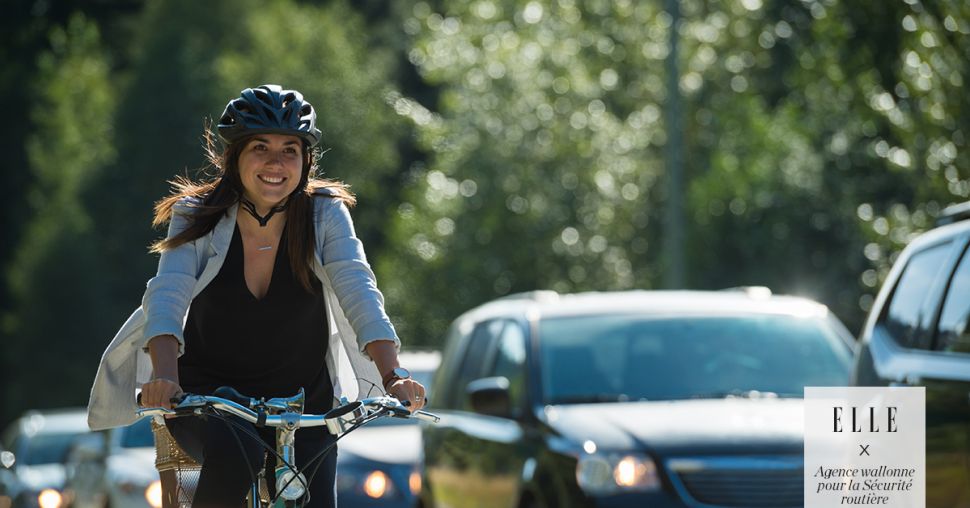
pixel 865 450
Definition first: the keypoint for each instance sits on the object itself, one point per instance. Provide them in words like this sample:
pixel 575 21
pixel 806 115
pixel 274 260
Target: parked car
pixel 40 441
pixel 115 468
pixel 917 334
pixel 638 398
pixel 378 464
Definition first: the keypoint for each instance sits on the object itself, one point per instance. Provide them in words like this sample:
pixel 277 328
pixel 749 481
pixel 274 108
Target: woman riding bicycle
pixel 259 267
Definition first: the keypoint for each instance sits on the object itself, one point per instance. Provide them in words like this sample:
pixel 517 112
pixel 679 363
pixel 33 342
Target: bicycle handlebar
pixel 338 420
pixel 287 416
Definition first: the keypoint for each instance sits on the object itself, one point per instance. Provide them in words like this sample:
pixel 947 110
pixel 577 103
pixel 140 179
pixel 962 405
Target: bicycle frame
pixel 286 416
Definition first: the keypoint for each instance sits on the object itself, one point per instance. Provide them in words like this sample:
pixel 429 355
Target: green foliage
pixel 163 99
pixel 54 276
pixel 321 54
pixel 882 92
pixel 913 104
pixel 544 156
pixel 819 136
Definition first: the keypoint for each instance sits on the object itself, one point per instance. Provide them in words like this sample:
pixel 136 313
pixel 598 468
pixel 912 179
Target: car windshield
pixel 138 435
pixel 49 448
pixel 609 358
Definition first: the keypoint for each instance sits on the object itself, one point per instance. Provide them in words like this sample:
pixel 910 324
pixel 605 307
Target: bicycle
pixel 285 414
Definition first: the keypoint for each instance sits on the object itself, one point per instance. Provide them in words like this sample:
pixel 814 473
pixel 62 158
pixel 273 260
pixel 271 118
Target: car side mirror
pixel 490 396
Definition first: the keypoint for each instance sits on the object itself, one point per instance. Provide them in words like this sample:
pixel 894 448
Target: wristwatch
pixel 395 374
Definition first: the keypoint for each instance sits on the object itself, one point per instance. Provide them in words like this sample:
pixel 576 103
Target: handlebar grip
pixel 419 414
pixel 407 403
pixel 173 400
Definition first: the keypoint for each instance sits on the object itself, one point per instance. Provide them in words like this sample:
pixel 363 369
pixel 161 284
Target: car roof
pixel 420 360
pixel 53 422
pixel 549 304
pixel 954 213
pixel 938 233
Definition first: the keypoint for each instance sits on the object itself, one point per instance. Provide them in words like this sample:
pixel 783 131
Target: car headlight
pixel 377 485
pixel 153 494
pixel 414 482
pixel 49 498
pixel 374 481
pixel 611 473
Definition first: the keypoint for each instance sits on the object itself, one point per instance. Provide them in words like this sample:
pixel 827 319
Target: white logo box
pixel 865 446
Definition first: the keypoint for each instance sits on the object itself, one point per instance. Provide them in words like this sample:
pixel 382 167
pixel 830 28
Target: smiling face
pixel 270 166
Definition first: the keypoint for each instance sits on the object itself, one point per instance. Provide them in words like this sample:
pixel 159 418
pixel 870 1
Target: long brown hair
pixel 223 189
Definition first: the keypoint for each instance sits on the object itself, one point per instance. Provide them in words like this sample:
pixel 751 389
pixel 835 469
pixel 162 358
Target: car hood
pixel 393 444
pixel 686 426
pixel 41 476
pixel 135 465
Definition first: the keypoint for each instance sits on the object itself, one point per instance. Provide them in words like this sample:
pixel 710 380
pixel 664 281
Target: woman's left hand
pixel 408 390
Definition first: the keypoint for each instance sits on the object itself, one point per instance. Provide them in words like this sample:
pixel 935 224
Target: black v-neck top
pixel 267 347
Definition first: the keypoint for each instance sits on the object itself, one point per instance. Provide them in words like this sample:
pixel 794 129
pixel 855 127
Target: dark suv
pixel 637 398
pixel 917 334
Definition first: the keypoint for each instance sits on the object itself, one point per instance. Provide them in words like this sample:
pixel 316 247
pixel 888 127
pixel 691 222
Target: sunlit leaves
pixel 321 54
pixel 797 113
pixel 544 151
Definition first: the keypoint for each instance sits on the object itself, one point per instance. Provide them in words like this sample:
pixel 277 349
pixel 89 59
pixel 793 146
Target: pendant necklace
pixel 265 247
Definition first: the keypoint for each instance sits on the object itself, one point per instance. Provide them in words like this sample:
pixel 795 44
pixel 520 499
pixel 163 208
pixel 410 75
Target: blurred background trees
pixel 496 146
pixel 818 137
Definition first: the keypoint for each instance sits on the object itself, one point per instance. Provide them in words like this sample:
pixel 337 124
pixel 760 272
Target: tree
pixel 544 155
pixel 55 273
pixel 323 54
pixel 808 127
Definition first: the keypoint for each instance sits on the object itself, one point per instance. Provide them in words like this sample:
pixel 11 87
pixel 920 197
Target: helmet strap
pixel 251 208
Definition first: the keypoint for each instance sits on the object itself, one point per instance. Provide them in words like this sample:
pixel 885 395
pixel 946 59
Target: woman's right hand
pixel 159 392
pixel 165 385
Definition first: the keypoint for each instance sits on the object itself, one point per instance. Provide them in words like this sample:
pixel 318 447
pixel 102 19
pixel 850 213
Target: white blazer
pixel 355 310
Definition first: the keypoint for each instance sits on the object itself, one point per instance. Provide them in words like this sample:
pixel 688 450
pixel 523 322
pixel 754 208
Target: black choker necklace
pixel 251 208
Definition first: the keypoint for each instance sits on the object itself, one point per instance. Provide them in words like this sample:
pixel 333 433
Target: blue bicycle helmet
pixel 269 109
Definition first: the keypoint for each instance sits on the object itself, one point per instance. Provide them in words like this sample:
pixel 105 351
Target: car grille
pixel 751 482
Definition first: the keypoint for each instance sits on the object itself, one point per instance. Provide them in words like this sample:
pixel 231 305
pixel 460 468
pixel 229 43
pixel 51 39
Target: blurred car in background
pixel 115 469
pixel 917 334
pixel 40 441
pixel 638 398
pixel 378 464
pixel 8 481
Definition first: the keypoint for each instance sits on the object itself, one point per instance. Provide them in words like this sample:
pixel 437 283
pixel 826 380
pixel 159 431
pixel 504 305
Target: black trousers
pixel 226 475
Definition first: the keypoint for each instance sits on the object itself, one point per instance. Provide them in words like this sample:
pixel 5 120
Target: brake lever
pixel 401 409
pixel 420 414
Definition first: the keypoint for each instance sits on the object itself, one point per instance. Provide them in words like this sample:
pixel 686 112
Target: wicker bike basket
pixel 178 472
